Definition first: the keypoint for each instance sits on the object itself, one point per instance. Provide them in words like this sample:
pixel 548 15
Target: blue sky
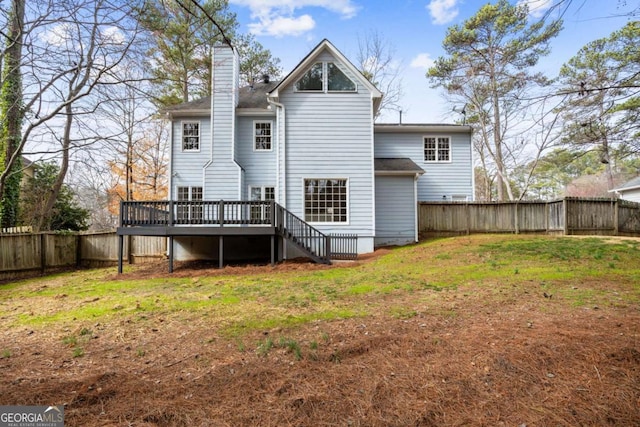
pixel 415 29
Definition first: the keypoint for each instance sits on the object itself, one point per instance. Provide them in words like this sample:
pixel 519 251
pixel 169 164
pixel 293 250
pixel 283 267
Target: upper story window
pixel 437 149
pixel 190 136
pixel 337 81
pixel 313 79
pixel 325 77
pixel 262 136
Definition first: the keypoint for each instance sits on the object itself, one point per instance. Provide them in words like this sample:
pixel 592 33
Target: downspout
pixel 416 207
pixel 171 141
pixel 281 166
pixel 234 99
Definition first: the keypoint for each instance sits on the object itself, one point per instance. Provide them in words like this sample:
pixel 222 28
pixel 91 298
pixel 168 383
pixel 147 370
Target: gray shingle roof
pixel 399 166
pixel 249 97
pixel 255 96
pixel 634 183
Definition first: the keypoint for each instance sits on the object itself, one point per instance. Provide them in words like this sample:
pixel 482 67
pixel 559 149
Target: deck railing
pixel 220 213
pixel 308 238
pixel 343 246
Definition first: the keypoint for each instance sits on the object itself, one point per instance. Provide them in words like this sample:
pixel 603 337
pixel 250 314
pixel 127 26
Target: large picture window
pixel 437 149
pixel 190 136
pixel 325 200
pixel 262 136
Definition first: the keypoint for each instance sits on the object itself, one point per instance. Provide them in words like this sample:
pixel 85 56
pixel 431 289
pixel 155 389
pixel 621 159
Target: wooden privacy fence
pixel 569 216
pixel 24 253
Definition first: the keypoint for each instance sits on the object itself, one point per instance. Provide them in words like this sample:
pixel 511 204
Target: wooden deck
pixel 220 219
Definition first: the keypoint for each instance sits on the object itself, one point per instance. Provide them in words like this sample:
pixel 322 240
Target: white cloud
pixel 537 8
pixel 112 35
pixel 278 17
pixel 58 35
pixel 281 26
pixel 422 60
pixel 443 11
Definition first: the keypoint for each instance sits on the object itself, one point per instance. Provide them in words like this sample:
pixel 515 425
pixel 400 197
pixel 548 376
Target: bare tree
pixel 377 62
pixel 70 49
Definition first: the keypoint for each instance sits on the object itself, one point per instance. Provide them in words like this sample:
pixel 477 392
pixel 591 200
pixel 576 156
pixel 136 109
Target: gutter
pixel 281 166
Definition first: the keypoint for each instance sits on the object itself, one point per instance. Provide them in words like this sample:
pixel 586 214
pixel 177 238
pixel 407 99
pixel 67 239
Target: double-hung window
pixel 189 206
pixel 437 149
pixel 325 200
pixel 190 136
pixel 262 136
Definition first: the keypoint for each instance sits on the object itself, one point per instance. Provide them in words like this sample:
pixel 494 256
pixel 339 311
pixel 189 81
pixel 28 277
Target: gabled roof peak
pixel 325 44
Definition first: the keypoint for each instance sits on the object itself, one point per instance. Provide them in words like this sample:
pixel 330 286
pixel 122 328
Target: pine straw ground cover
pixel 473 331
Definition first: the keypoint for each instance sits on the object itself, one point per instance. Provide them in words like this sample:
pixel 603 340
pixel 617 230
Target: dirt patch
pixel 485 366
pixel 210 268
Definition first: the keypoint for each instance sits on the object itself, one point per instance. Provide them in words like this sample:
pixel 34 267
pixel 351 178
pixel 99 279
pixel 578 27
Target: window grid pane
pixel 191 136
pixel 312 79
pixel 443 149
pixel 430 149
pixel 437 149
pixel 337 81
pixel 325 200
pixel 261 212
pixel 263 136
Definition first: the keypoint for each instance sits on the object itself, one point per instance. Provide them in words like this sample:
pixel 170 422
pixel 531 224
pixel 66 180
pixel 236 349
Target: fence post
pixel 515 218
pixel 78 250
pixel 43 252
pixel 616 216
pixel 546 217
pixel 565 215
pixel 468 209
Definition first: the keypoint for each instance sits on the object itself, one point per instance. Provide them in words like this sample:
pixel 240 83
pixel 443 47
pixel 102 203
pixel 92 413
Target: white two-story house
pixel 298 166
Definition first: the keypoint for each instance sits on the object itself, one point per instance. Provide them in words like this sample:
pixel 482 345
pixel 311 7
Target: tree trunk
pixel 12 115
pixel 52 196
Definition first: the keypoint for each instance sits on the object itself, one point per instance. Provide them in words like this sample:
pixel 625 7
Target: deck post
pixel 221 213
pixel 327 248
pixel 273 250
pixel 221 252
pixel 120 251
pixel 170 254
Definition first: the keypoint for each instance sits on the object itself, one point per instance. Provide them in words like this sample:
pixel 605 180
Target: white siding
pixel 259 166
pixel 329 135
pixel 395 210
pixel 223 176
pixel 448 179
pixel 187 165
pixel 631 195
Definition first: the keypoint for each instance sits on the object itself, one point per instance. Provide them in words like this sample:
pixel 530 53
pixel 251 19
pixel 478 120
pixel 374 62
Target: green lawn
pixel 572 271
